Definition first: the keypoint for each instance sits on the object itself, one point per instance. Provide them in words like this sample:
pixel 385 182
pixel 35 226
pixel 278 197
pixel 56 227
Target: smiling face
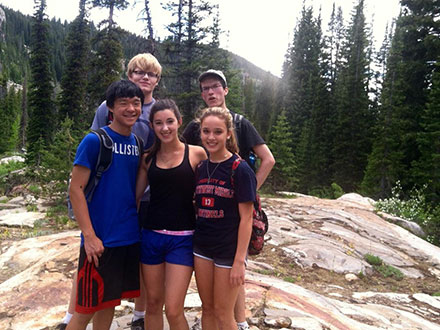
pixel 166 125
pixel 214 135
pixel 213 92
pixel 146 80
pixel 126 110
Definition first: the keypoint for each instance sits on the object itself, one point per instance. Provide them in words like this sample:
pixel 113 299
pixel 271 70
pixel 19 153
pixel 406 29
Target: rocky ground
pixel 312 273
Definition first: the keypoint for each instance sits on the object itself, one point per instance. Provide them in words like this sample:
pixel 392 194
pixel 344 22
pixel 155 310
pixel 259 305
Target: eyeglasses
pixel 150 75
pixel 213 87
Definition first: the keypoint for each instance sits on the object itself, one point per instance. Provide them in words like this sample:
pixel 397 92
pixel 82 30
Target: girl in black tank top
pixel 172 190
pixel 166 242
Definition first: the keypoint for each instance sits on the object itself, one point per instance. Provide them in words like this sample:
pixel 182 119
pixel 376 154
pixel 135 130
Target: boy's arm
pixel 92 244
pixel 141 180
pixel 267 162
pixel 100 118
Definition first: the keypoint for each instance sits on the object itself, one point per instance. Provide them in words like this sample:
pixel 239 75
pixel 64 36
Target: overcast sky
pixel 259 30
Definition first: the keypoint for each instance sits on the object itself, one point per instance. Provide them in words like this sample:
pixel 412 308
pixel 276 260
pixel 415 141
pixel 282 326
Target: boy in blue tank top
pixel 108 267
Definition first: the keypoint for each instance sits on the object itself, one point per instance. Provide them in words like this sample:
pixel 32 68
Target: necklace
pixel 210 174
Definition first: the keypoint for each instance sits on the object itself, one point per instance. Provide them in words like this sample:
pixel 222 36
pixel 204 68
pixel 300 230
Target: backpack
pixel 260 223
pixel 103 163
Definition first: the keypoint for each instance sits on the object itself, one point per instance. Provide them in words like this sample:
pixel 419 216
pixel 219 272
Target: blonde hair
pixel 231 143
pixel 146 62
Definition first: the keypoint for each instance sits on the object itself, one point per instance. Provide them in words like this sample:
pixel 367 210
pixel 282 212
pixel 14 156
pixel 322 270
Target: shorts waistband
pixel 175 232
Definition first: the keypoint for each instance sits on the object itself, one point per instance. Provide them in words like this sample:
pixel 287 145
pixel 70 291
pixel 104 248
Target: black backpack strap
pixel 140 145
pixel 104 161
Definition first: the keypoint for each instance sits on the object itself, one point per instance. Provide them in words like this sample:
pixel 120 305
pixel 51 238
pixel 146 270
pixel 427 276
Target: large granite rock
pixel 311 274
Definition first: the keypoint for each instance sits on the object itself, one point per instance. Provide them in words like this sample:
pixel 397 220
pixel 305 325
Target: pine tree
pixel 385 161
pixel 427 169
pixel 283 175
pixel 23 117
pixel 9 117
pixel 190 50
pixel 59 156
pixel 353 130
pixel 249 98
pixel 302 72
pixel 151 44
pixel 41 105
pixel 304 83
pixel 107 62
pixel 72 101
pixel 415 48
pixel 265 102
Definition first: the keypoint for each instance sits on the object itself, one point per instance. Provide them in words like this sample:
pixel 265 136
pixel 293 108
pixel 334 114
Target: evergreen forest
pixel 343 117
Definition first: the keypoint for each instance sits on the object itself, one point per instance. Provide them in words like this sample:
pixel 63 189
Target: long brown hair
pixel 225 115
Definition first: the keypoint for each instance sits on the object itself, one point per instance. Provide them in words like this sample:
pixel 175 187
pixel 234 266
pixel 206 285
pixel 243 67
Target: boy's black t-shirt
pixel 247 137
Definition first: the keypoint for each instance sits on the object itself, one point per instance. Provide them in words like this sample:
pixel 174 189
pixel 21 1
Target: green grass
pixel 34 189
pixel 265 271
pixel 32 208
pixel 289 279
pixel 389 271
pixel 436 294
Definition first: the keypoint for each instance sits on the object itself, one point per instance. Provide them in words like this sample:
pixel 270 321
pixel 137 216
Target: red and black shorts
pixel 116 277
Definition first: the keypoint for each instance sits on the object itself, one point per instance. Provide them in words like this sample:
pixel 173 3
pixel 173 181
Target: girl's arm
pixel 142 179
pixel 92 244
pixel 196 155
pixel 244 235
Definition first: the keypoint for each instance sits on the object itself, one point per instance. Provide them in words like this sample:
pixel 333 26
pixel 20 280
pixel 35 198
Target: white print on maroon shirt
pixel 209 202
pixel 215 190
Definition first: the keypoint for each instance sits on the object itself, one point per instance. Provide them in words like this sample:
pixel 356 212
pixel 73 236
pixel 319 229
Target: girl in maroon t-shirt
pixel 224 220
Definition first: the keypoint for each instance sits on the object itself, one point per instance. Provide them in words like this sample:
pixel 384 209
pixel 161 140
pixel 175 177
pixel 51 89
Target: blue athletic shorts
pixel 157 248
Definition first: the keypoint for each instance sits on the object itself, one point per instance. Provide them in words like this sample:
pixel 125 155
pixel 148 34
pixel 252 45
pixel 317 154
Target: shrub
pixel 382 268
pixel 10 166
pixel 389 271
pixel 373 260
pixel 414 208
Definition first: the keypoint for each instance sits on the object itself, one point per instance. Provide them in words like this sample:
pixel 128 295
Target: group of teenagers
pixel 159 213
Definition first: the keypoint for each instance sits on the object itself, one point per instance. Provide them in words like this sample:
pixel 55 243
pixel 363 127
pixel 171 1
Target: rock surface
pixel 298 282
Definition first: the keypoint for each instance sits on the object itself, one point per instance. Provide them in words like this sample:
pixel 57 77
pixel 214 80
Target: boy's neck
pixel 148 98
pixel 120 129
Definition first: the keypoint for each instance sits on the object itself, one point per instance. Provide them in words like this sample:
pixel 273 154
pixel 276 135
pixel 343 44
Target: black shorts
pixel 116 277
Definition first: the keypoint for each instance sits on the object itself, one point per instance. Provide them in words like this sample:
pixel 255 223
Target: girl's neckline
pixel 227 156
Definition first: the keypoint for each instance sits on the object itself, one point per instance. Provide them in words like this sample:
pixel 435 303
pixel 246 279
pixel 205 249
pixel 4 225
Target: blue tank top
pixel 172 190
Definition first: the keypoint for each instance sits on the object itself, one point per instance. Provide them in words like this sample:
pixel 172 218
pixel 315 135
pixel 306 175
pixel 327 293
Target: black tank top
pixel 171 202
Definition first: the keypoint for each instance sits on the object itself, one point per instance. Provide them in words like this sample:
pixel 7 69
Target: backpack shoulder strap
pixel 237 120
pixel 104 161
pixel 233 168
pixel 139 143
